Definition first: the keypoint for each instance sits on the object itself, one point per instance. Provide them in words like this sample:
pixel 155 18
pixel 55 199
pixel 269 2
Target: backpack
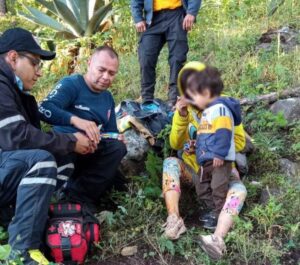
pixel 70 233
pixel 153 114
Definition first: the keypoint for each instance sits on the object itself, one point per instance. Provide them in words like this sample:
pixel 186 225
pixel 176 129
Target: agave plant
pixel 74 18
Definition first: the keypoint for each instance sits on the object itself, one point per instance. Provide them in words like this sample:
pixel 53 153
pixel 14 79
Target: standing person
pixel 29 158
pixel 82 103
pixel 185 169
pixel 160 22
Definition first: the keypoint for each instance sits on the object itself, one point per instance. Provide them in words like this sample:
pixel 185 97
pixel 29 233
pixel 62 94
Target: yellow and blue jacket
pixel 185 128
pixel 215 131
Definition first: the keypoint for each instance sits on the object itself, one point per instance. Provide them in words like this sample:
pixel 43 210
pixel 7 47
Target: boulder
pixel 241 163
pixel 289 107
pixel 290 169
pixel 137 149
pixel 266 193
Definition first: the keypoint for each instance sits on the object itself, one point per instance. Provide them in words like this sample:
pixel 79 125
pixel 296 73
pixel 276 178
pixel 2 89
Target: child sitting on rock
pixel 215 147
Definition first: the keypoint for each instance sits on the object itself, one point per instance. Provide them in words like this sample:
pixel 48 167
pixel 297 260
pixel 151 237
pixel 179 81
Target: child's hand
pixel 181 106
pixel 190 147
pixel 218 162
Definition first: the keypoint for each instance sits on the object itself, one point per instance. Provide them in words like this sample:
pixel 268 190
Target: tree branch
pixel 272 97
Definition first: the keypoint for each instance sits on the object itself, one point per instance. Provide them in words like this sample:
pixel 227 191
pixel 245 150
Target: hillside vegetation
pixel 227 35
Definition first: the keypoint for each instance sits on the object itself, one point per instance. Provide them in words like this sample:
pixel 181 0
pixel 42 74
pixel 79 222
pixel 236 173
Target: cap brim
pixel 45 55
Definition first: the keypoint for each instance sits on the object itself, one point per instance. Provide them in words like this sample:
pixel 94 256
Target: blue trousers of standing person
pixel 28 179
pixel 166 27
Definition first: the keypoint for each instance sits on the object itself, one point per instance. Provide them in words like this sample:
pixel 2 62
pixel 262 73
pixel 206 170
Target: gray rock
pixel 267 193
pixel 137 148
pixel 255 183
pixel 129 251
pixel 241 162
pixel 289 39
pixel 132 168
pixel 290 108
pixel 290 169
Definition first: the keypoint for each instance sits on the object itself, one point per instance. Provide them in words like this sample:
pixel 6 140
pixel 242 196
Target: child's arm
pixel 178 134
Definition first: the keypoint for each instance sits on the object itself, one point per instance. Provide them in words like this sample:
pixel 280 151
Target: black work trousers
pixel 166 27
pixel 96 173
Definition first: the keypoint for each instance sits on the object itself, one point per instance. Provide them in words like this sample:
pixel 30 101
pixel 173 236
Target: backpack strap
pixel 66 248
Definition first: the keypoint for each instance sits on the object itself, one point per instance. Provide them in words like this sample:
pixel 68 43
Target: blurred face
pixel 200 100
pixel 26 66
pixel 102 69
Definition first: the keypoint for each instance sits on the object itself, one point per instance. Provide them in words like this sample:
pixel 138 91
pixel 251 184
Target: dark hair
pixel 184 78
pixel 209 78
pixel 111 51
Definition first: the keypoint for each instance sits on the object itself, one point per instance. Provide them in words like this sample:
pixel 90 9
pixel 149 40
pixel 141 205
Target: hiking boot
pixel 30 257
pixel 209 221
pixel 205 215
pixel 174 227
pixel 213 246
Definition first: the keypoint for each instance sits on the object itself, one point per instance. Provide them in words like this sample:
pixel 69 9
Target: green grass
pixel 226 35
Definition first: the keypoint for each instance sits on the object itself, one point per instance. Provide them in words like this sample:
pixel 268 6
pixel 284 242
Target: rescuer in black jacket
pixel 32 163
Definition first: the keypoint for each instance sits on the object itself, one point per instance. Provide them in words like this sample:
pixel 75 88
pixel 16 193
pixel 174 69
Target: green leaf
pixel 153 192
pixel 49 5
pixel 3 234
pixel 98 4
pixel 42 19
pixel 4 252
pixel 67 16
pixel 97 18
pixel 74 7
pixel 166 245
pixel 84 13
pixel 109 219
pixel 123 209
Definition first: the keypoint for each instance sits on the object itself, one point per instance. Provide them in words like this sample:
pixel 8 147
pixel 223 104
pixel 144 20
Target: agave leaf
pixel 67 16
pixel 84 13
pixel 49 5
pixel 74 7
pixel 97 18
pixel 98 4
pixel 42 19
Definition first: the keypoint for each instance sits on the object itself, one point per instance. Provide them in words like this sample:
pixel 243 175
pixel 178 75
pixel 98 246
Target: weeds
pixel 226 35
